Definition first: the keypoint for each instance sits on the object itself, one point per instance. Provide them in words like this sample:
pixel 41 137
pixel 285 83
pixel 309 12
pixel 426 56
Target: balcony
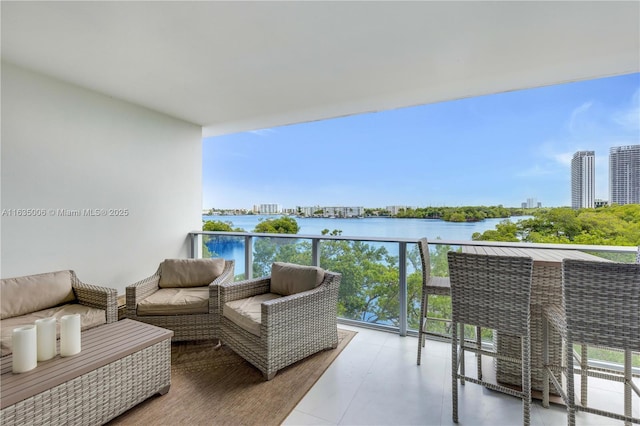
pixel 90 122
pixel 375 380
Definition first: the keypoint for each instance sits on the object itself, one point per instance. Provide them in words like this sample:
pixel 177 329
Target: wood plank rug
pixel 216 387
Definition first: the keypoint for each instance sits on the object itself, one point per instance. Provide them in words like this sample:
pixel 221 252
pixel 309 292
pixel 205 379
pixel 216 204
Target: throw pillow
pixel 289 278
pixel 190 272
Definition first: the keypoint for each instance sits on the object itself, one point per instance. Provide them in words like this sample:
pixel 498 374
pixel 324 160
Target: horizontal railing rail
pixel 579 247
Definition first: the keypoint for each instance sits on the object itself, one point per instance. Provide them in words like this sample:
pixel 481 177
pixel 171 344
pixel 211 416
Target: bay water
pixel 375 226
pixel 365 227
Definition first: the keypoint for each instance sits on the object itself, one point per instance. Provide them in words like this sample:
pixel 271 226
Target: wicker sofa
pixel 275 321
pixel 54 294
pixel 182 296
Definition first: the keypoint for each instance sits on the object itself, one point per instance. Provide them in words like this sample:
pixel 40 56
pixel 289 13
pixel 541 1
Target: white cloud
pixel 575 118
pixel 557 152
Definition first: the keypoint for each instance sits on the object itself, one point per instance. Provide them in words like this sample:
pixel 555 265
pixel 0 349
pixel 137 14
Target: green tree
pixel 269 250
pixel 613 225
pixel 282 225
pixel 456 217
pixel 505 231
pixel 218 225
pixel 369 285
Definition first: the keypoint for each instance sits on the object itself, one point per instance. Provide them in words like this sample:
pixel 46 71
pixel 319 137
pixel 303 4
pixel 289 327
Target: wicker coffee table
pixel 120 365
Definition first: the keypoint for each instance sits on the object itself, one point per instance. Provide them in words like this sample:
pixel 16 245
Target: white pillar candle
pixel 46 331
pixel 70 335
pixel 25 352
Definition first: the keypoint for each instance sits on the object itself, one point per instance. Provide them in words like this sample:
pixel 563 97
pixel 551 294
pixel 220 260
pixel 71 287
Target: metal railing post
pixel 402 294
pixel 196 246
pixel 315 252
pixel 248 257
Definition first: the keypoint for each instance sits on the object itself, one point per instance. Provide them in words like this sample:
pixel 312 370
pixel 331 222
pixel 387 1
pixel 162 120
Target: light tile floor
pixel 375 381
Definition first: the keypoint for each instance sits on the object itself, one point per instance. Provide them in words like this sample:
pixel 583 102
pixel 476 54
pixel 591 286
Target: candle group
pixel 37 342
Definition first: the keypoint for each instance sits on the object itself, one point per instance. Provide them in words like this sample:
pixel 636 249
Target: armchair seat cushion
pixel 176 301
pixel 90 317
pixel 247 313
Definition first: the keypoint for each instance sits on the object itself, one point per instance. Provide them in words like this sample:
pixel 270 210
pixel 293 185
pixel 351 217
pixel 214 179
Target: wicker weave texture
pixel 546 290
pixel 292 327
pixel 602 303
pixel 600 308
pixel 510 373
pixel 96 297
pixel 492 292
pixel 184 327
pixel 100 395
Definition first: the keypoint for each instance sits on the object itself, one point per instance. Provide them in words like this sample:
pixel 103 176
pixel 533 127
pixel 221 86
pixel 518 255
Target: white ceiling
pixel 235 66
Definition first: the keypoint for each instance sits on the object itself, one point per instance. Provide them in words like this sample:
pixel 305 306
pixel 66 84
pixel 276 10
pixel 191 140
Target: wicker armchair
pixel 438 286
pixel 286 328
pixel 491 292
pixel 600 308
pixel 197 324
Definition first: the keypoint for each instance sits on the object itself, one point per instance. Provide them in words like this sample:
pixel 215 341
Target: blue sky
pixel 489 150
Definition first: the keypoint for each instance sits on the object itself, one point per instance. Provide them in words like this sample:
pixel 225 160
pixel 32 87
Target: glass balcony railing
pixel 381 277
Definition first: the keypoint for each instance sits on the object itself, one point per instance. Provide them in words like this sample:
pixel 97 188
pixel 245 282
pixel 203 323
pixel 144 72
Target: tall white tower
pixel 624 174
pixel 583 179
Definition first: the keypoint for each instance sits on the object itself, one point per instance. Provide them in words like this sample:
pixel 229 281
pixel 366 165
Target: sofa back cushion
pixel 289 278
pixel 31 293
pixel 190 272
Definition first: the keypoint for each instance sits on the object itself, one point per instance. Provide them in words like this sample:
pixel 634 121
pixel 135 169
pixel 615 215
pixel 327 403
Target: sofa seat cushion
pixel 190 272
pixel 175 301
pixel 90 317
pixel 289 278
pixel 31 293
pixel 247 313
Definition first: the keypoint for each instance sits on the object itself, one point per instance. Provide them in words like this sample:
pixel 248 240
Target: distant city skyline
pixel 488 150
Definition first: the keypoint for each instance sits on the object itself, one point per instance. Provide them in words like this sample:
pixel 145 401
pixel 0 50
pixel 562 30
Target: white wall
pixel 64 147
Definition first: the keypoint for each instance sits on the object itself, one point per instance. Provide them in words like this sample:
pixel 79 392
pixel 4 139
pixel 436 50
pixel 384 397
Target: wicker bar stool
pixel 601 308
pixel 438 286
pixel 490 292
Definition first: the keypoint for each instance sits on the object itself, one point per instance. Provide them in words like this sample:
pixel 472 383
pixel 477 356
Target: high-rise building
pixel 268 208
pixel 624 174
pixel 583 179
